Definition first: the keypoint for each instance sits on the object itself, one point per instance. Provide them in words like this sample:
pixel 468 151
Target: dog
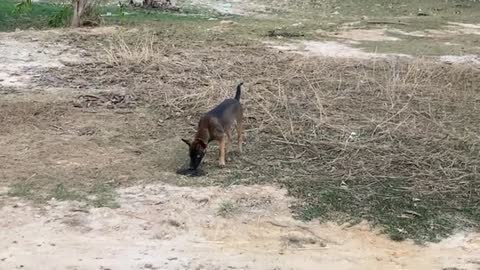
pixel 216 125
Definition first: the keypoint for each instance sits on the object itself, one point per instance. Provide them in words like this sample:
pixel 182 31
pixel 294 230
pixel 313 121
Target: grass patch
pixel 41 16
pixel 45 15
pixel 24 190
pixel 132 16
pixel 355 9
pixel 424 46
pixel 103 195
pixel 226 209
pixel 61 193
pixel 394 204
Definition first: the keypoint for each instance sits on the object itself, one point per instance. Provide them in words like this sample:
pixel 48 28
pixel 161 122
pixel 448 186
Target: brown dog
pixel 214 126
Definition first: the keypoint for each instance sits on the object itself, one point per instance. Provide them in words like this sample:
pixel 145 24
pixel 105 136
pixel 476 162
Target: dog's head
pixel 197 150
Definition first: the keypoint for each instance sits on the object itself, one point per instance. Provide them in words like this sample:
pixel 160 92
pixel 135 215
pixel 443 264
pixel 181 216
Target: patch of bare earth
pixel 22 53
pixel 166 227
pixel 332 49
pixel 235 7
pixel 352 34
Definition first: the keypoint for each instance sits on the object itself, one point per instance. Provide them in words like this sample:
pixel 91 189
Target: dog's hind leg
pixel 240 130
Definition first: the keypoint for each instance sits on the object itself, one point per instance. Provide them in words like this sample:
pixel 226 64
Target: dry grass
pixel 394 142
pixel 144 50
pixel 386 118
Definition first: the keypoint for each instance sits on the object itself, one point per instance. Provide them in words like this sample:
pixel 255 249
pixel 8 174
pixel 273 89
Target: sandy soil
pixel 22 53
pixel 236 7
pixel 332 49
pixel 167 227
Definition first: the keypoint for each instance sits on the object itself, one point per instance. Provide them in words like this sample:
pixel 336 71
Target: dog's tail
pixel 239 91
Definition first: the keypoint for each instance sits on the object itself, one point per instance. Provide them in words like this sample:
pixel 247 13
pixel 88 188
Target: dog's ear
pixel 187 142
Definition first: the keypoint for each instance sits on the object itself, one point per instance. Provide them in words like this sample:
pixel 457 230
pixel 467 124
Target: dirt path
pixel 167 227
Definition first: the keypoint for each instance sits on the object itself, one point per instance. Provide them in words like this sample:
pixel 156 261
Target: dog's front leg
pixel 222 152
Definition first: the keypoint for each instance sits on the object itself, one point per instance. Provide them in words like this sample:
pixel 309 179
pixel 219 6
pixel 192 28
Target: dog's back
pixel 228 111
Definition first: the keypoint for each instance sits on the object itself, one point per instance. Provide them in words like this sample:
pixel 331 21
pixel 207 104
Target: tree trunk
pixel 148 3
pixel 78 9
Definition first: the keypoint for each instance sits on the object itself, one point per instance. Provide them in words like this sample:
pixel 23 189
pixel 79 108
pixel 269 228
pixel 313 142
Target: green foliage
pixel 24 6
pixel 61 17
pixel 13 15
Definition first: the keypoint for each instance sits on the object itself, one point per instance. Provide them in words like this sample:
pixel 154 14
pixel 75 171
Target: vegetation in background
pixel 22 7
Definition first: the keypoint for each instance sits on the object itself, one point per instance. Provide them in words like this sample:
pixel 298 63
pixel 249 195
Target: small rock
pixel 174 223
pixel 172 258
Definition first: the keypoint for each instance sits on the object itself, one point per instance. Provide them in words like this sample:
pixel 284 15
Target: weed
pixel 103 195
pixel 61 18
pixel 226 209
pixel 61 193
pixel 21 190
pixel 22 7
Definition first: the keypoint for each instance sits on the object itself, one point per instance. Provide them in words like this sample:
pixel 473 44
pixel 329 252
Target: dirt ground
pixel 166 227
pixel 160 226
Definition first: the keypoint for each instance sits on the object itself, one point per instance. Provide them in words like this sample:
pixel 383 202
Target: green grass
pixel 21 190
pixel 100 195
pixel 62 193
pixel 37 18
pixel 45 15
pixel 139 15
pixel 422 47
pixel 355 9
pixel 103 195
pixel 392 204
